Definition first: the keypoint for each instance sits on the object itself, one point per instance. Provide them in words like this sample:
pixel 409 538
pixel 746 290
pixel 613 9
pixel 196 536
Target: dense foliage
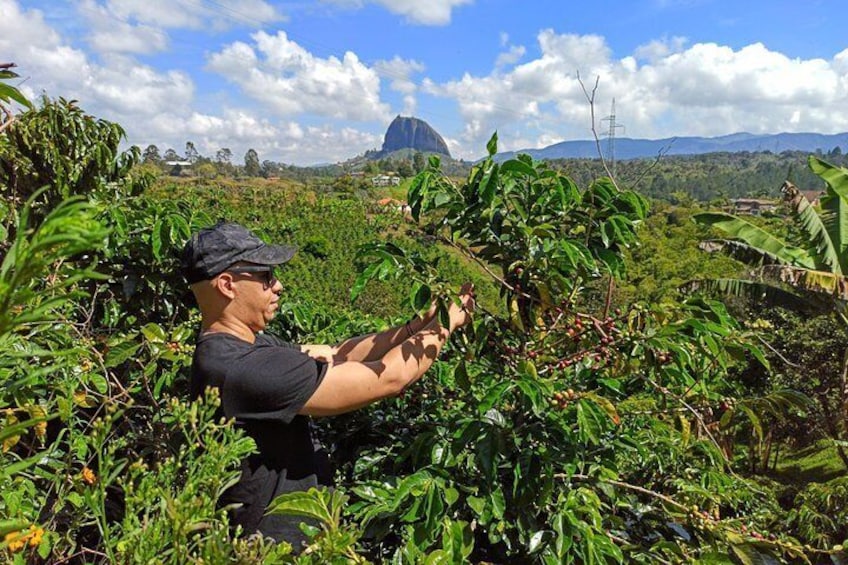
pixel 562 427
pixel 712 176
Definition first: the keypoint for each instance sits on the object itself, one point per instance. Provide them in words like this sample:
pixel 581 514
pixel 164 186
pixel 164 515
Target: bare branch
pixel 591 99
pixel 660 154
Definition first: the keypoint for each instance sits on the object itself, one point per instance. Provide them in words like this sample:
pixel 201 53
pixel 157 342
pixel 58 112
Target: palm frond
pixel 740 251
pixel 822 249
pixel 834 205
pixel 757 291
pixel 757 238
pixel 823 282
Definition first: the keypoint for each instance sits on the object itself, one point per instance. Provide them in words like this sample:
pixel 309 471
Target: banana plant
pixel 810 275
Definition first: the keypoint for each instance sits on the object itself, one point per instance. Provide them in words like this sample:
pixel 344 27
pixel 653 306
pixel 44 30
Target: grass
pixel 816 463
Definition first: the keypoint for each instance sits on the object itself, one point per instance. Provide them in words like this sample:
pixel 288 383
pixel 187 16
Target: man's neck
pixel 229 326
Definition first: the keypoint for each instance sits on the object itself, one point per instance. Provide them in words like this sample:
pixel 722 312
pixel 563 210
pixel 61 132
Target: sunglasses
pixel 266 275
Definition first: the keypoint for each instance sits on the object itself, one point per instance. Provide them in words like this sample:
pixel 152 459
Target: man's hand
pixel 460 314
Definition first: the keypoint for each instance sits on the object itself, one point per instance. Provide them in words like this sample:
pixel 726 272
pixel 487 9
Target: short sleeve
pixel 270 382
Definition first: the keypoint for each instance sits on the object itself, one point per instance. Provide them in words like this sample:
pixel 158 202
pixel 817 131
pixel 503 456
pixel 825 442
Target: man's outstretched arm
pixel 351 385
pixel 372 347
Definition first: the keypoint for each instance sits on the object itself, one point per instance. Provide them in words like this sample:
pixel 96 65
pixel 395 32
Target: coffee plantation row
pixel 562 426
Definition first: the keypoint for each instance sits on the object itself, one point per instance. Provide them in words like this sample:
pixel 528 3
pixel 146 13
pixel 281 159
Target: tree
pixel 405 169
pixel 809 275
pixel 62 147
pixel 171 155
pixel 270 169
pixel 252 167
pixel 224 156
pixel 151 155
pixel 191 154
pixel 418 162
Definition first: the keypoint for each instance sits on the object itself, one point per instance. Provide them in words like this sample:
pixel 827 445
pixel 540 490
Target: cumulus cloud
pixel 510 57
pixel 240 130
pixel 158 106
pixel 660 48
pixel 140 26
pixel 192 15
pixel 434 12
pixel 123 88
pixel 663 89
pixel 399 72
pixel 289 80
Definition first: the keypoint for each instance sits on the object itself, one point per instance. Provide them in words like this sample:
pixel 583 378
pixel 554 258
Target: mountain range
pixel 627 148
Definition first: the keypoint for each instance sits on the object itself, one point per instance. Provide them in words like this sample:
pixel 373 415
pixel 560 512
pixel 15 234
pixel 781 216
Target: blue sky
pixel 314 82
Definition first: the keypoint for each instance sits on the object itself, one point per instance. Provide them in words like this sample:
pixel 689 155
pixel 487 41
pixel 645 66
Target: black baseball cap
pixel 212 250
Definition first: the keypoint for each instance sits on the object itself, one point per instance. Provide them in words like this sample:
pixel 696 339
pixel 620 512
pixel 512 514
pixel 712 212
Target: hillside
pixel 627 148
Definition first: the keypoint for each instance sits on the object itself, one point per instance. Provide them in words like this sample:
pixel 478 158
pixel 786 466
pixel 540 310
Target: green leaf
pixel 8 93
pixel 309 504
pixel 606 405
pixel 527 367
pixel 154 333
pixel 520 167
pixel 492 145
pixel 421 296
pixel 121 352
pixel 748 555
pixel 460 376
pixel 498 503
pixel 589 422
pixel 10 526
pixel 362 279
pixel 757 239
pixel 834 206
pixel 477 504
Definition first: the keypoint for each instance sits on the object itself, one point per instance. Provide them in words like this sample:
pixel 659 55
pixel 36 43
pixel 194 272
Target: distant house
pixel 385 180
pixel 753 206
pixel 179 168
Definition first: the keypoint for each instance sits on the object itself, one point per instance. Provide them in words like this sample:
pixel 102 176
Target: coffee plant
pixel 559 427
pixel 565 430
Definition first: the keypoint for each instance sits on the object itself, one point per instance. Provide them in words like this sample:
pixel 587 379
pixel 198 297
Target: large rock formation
pixel 412 133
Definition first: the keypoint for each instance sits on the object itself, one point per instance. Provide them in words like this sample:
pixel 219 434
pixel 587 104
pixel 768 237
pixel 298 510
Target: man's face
pixel 257 294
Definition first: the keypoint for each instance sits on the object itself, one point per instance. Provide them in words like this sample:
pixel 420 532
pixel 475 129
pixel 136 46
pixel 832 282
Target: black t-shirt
pixel 263 385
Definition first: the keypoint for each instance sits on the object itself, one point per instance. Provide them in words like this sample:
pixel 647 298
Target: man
pixel 270 387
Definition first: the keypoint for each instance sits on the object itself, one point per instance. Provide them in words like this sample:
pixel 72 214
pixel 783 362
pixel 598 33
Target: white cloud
pixel 515 53
pixel 289 80
pixel 139 26
pixel 433 12
pixel 399 72
pixel 110 34
pixel 190 14
pixel 120 90
pixel 660 48
pixel 240 130
pixel 663 89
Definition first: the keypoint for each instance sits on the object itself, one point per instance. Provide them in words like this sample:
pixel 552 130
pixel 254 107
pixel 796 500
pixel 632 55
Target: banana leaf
pixel 821 247
pixel 757 238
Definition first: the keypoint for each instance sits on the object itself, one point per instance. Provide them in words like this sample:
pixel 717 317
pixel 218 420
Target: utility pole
pixel 613 125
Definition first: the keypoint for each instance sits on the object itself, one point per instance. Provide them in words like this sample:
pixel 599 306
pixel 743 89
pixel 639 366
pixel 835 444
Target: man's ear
pixel 224 284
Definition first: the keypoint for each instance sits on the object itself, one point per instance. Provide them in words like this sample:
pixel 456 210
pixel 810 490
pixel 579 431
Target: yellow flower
pixel 88 476
pixel 40 428
pixel 37 534
pixel 14 541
